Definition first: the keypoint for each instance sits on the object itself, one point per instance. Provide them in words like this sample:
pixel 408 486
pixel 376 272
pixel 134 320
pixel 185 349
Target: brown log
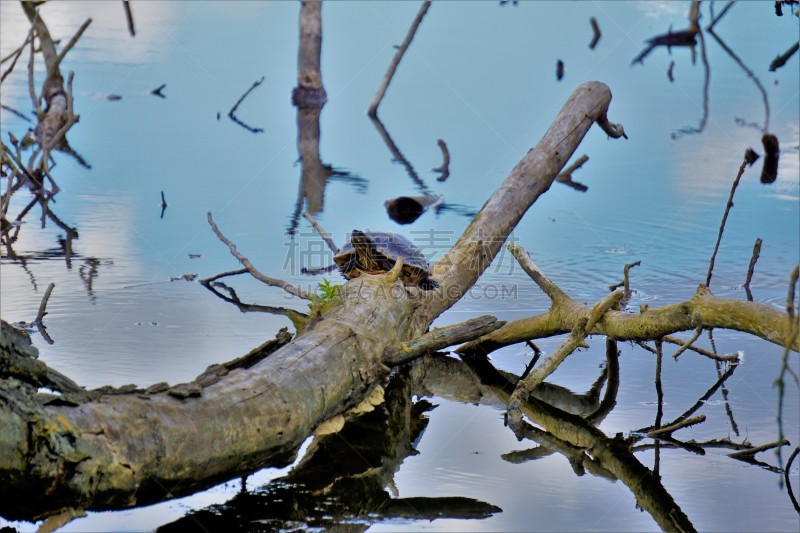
pixel 126 450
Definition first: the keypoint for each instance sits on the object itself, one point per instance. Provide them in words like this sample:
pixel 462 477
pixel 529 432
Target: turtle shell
pixel 375 252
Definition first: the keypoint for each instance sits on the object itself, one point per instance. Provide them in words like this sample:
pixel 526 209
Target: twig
pixel 659 389
pixel 716 19
pixel 536 354
pixel 732 358
pixel 322 233
pixel 781 60
pixel 791 335
pixel 157 90
pixel 18 52
pixel 399 157
pixel 43 304
pixel 548 287
pixel 565 176
pixel 129 17
pixel 615 131
pixel 674 427
pixel 626 279
pixel 688 342
pixel 751 268
pixel 440 338
pixel 749 73
pixel 373 108
pixel 559 70
pixel 788 482
pixel 670 71
pixel 597 34
pixel 51 69
pixel 756 449
pixel 14 111
pixel 549 365
pixel 207 281
pixel 728 207
pixel 163 204
pixel 445 166
pixel 291 289
pixel 299 320
pixel 232 112
pixel 700 402
pixel 19 49
pixel 31 88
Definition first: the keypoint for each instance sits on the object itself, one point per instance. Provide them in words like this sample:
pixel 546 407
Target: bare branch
pixel 751 268
pixel 444 168
pixel 565 176
pixel 440 338
pixel 688 342
pixel 43 304
pixel 547 286
pixel 551 362
pixel 756 449
pixel 596 31
pixel 291 289
pixel 728 207
pixel 322 233
pixel 373 108
pixel 666 430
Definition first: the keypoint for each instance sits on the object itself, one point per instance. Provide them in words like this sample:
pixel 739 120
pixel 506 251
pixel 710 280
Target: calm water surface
pixel 481 76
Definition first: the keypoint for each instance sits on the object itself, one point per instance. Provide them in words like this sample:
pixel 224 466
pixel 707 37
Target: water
pixel 481 77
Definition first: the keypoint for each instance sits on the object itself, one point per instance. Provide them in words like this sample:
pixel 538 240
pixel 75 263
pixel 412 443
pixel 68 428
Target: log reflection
pixel 587 448
pixel 341 481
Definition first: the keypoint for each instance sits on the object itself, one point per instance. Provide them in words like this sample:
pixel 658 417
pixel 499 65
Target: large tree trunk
pixel 131 449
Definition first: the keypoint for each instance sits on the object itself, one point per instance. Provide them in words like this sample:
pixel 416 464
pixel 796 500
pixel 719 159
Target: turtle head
pixel 361 241
pixel 366 254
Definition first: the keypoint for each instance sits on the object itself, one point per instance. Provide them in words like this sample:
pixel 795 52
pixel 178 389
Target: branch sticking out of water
pixel 129 17
pixel 666 430
pixel 43 304
pixel 728 207
pixel 751 268
pixel 322 233
pixel 444 169
pixel 291 289
pixel 574 340
pixel 440 338
pixel 626 280
pixel 401 50
pixel 781 60
pixel 752 451
pixel 683 347
pixel 565 176
pixel 596 31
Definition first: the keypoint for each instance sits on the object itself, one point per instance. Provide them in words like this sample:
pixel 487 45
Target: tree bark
pixel 132 449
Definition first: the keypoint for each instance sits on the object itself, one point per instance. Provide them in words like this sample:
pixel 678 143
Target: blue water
pixel 481 76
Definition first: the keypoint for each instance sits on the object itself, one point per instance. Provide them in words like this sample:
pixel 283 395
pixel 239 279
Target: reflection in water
pixel 232 112
pixel 55 120
pixel 342 480
pixel 439 206
pixel 689 38
pixel 309 97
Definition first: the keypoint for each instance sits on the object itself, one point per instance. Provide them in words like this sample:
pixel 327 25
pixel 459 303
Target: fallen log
pixel 125 450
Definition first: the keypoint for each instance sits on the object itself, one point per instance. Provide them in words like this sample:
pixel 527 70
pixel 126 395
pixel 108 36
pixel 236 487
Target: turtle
pixel 376 252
